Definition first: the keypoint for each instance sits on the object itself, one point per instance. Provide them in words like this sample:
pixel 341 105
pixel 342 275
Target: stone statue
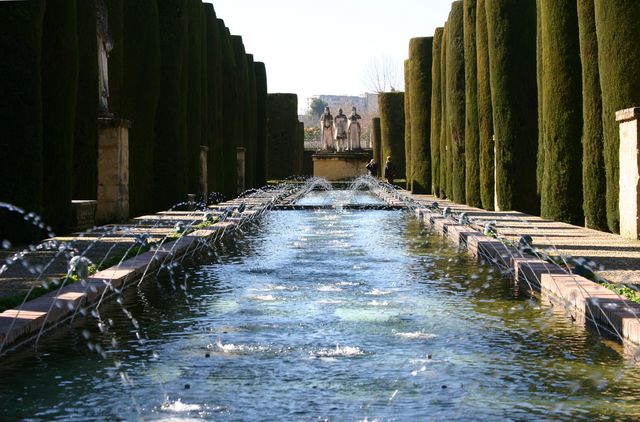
pixel 354 130
pixel 326 129
pixel 105 45
pixel 341 123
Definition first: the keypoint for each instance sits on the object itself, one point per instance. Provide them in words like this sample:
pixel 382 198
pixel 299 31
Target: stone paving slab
pixel 24 322
pixel 617 259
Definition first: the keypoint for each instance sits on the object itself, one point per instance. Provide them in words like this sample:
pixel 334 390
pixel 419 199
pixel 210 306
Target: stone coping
pixel 583 299
pixel 25 323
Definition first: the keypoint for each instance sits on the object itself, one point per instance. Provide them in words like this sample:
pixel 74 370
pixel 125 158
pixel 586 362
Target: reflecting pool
pixel 313 315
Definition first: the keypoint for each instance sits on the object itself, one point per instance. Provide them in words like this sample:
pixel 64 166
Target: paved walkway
pixel 617 259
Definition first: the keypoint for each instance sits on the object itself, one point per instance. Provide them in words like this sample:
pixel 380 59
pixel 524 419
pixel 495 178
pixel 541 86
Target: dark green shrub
pixel 445 148
pixel 485 110
pixel 170 173
pixel 59 96
pixel 214 121
pixel 456 100
pixel 561 193
pixel 116 57
pixel 391 108
pixel 512 51
pixel 420 55
pixel 593 172
pixel 195 93
pixel 282 135
pixel 261 123
pixel 407 125
pixel 619 62
pixel 471 131
pixel 436 112
pixel 142 85
pixel 252 123
pixel 230 107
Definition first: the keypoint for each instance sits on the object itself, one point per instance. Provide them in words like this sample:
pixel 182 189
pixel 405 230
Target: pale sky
pixel 315 47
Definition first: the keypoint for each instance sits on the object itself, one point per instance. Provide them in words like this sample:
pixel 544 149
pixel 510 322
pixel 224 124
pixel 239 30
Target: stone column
pixel 203 179
pixel 240 154
pixel 113 170
pixel 629 203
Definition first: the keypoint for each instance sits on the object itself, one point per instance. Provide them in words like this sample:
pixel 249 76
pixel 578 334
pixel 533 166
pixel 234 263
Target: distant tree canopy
pixel 316 108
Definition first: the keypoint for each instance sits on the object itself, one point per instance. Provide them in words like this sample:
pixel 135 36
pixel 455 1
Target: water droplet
pixel 6 244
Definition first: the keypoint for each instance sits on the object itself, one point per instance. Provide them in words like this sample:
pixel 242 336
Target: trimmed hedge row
pixel 420 64
pixel 619 63
pixel 436 111
pixel 282 136
pixel 407 125
pixel 471 131
pixel 561 193
pixel 261 123
pixel 593 171
pixel 456 100
pixel 391 108
pixel 485 110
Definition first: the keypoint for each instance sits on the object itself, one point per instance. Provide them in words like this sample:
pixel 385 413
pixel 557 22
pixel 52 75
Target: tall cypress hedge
pixel 619 61
pixel 230 106
pixel 512 51
pixel 194 95
pixel 471 131
pixel 214 101
pixel 445 147
pixel 391 108
pixel 420 52
pixel 21 111
pixel 252 123
pixel 376 142
pixel 243 102
pixel 282 135
pixel 561 193
pixel 205 134
pixel 85 148
pixel 593 173
pixel 539 70
pixel 261 126
pixel 407 125
pixel 142 85
pixel 436 112
pixel 485 110
pixel 456 99
pixel 59 96
pixel 116 57
pixel 170 177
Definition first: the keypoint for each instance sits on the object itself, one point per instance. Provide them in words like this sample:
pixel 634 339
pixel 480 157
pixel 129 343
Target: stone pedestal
pixel 83 214
pixel 203 179
pixel 629 203
pixel 240 155
pixel 113 170
pixel 340 165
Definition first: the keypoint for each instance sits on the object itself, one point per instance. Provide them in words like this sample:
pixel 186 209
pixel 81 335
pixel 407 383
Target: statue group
pixel 345 131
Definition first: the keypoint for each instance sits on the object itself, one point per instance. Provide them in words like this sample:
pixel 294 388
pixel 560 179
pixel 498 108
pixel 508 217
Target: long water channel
pixel 326 314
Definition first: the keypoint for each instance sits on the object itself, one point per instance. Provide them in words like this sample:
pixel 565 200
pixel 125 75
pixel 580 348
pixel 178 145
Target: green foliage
pixel 391 108
pixel 512 50
pixel 420 64
pixel 170 175
pixel 59 95
pixel 316 108
pixel 539 70
pixel 252 124
pixel 456 100
pixel 214 128
pixel 85 149
pixel 242 84
pixel 407 125
pixel 142 85
pixel 436 112
pixel 230 105
pixel 471 132
pixel 619 61
pixel 261 123
pixel 376 141
pixel 593 172
pixel 445 148
pixel 561 193
pixel 485 110
pixel 21 111
pixel 116 57
pixel 195 92
pixel 282 135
